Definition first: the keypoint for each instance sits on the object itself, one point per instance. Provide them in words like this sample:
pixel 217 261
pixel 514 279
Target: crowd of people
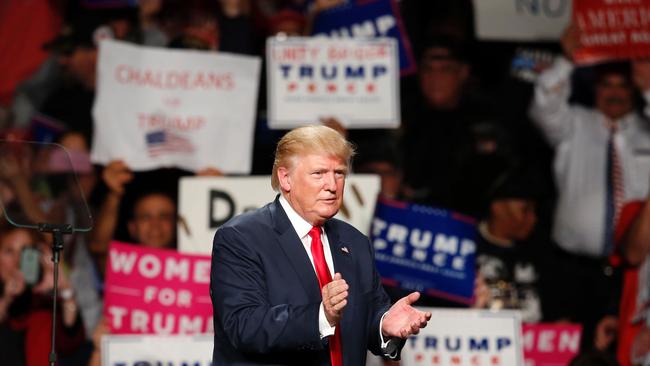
pixel 556 171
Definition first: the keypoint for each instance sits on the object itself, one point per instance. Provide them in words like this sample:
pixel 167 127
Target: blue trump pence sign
pixel 425 249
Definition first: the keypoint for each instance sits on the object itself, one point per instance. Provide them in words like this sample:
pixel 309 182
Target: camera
pixel 30 265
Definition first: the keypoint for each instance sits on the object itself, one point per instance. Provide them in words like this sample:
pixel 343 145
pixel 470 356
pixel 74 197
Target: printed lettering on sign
pixel 155 291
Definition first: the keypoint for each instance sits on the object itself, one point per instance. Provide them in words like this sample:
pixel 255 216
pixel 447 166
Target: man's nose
pixel 330 182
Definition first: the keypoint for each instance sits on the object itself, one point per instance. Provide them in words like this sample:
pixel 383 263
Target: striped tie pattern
pixel 615 189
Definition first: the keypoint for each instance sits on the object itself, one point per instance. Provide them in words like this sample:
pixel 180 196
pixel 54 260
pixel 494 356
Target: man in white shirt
pixel 602 159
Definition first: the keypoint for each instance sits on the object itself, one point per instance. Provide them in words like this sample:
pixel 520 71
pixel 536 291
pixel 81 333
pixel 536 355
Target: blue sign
pixel 425 249
pixel 369 18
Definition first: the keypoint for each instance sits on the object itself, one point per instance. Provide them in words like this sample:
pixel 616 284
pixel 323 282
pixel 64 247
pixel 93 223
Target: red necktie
pixel 324 277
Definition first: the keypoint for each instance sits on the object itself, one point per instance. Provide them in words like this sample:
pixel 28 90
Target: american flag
pixel 162 142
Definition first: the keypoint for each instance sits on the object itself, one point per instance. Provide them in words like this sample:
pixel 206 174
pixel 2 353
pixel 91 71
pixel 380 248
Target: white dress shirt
pixel 302 228
pixel 580 137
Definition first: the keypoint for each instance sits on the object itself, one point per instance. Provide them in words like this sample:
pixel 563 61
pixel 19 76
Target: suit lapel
pixel 344 264
pixel 295 251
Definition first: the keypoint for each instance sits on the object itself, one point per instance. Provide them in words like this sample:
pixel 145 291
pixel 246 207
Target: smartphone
pixel 30 265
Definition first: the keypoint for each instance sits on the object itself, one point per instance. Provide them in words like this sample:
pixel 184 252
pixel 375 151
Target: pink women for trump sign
pixel 157 291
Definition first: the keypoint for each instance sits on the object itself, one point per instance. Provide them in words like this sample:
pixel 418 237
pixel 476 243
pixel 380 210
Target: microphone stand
pixel 57 231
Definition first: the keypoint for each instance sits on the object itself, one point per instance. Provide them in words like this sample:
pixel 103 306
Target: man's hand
pixel 404 320
pixel 116 174
pixel 335 295
pixel 570 41
pixel 606 331
pixel 641 74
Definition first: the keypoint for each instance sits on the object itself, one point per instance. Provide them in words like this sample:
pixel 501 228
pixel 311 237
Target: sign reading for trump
pixel 353 80
pixel 425 249
pixel 612 29
pixel 189 109
pixel 157 291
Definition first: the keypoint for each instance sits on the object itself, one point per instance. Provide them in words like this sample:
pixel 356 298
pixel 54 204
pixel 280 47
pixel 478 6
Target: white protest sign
pixel 205 203
pixel 132 350
pixel 521 20
pixel 353 80
pixel 464 337
pixel 189 109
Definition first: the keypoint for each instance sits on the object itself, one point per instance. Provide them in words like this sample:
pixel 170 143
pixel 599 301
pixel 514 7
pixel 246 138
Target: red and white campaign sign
pixel 157 291
pixel 612 29
pixel 550 344
pixel 353 80
pixel 189 109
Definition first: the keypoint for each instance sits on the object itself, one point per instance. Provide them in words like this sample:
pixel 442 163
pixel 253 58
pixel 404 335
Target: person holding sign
pixel 290 285
pixel 602 160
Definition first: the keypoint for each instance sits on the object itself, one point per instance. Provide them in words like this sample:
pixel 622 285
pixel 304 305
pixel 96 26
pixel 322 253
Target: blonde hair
pixel 316 139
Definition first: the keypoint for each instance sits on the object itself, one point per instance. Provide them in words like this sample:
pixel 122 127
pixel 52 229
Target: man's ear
pixel 284 178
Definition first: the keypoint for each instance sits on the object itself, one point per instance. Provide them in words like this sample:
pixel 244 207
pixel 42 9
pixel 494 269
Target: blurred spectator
pixel 236 26
pixel 151 222
pixel 633 239
pixel 150 27
pixel 383 159
pixel 594 358
pixel 600 156
pixel 287 22
pixel 22 54
pixel 446 130
pixel 25 309
pixel 504 259
pixel 192 24
pixel 64 87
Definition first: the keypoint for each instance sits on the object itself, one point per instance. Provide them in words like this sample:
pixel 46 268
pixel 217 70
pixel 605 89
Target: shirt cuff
pixel 324 327
pixel 388 347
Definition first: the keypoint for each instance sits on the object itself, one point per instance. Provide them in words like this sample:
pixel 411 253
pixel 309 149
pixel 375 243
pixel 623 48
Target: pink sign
pixel 550 344
pixel 157 291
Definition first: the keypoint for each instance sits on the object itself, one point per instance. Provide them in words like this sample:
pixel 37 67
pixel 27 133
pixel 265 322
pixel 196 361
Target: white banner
pixel 134 350
pixel 190 109
pixel 456 337
pixel 205 203
pixel 521 20
pixel 353 80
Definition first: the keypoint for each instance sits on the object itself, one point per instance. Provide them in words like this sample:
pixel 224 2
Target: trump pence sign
pixel 353 80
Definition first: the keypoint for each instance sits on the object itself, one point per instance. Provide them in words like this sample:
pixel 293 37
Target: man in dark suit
pixel 292 286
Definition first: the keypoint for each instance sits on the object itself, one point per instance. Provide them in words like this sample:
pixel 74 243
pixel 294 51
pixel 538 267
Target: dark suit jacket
pixel 266 297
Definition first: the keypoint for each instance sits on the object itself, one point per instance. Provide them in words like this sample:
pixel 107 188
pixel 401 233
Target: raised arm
pixel 116 175
pixel 550 108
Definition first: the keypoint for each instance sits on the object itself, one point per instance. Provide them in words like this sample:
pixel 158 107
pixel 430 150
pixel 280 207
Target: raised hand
pixel 116 174
pixel 570 40
pixel 404 320
pixel 335 295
